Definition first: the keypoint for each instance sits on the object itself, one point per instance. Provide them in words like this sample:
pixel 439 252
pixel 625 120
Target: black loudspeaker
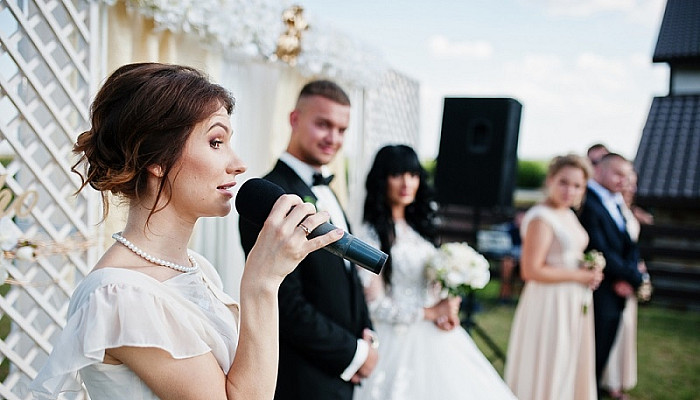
pixel 477 160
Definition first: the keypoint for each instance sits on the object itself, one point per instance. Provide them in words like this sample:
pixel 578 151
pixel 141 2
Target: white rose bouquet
pixel 457 267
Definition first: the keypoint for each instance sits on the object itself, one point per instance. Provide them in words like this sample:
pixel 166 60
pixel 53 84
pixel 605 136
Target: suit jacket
pixel 621 253
pixel 322 314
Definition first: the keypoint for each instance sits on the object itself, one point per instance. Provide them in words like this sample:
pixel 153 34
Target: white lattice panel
pixel 390 115
pixel 45 88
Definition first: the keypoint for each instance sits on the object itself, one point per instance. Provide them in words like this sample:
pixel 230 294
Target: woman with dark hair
pixel 425 354
pixel 151 320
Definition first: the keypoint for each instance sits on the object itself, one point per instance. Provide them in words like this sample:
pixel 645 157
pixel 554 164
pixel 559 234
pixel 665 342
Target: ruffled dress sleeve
pixel 114 307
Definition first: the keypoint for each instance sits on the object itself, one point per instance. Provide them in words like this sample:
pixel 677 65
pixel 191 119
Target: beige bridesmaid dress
pixel 551 350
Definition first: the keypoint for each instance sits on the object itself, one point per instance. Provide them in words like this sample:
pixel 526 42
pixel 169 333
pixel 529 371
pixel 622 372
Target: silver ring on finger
pixel 304 228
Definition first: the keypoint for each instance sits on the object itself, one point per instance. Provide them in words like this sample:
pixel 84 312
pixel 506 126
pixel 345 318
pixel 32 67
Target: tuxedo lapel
pixel 322 313
pixel 292 182
pixel 593 196
pixel 610 224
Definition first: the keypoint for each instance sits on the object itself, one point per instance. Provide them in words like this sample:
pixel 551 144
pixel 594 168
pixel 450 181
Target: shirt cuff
pixel 360 357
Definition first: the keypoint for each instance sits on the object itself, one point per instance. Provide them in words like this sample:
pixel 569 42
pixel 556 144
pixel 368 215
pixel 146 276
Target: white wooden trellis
pixel 49 66
pixel 48 53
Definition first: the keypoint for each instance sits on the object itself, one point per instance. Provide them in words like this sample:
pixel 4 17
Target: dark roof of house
pixel 668 156
pixel 679 35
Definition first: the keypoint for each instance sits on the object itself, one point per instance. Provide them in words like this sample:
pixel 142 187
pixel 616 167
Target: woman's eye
pixel 216 143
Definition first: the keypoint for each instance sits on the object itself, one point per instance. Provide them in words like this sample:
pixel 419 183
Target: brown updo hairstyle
pixel 573 161
pixel 142 116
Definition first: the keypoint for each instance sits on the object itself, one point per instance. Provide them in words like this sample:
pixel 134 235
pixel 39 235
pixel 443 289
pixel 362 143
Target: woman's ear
pixel 155 170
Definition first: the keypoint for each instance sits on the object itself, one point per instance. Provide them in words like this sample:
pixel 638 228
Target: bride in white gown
pixel 424 352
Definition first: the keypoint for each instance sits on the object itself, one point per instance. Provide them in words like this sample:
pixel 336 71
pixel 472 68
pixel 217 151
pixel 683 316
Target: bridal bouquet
pixel 456 267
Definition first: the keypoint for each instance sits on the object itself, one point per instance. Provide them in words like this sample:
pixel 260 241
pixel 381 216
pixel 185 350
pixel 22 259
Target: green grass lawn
pixel 668 343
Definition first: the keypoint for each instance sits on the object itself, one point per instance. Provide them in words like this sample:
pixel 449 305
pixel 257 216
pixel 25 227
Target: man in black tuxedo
pixel 326 342
pixel 602 218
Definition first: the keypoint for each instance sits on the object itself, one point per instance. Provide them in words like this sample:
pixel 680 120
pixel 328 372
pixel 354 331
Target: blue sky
pixel 581 68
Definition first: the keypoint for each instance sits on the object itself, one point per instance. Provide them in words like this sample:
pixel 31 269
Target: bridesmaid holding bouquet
pixel 551 352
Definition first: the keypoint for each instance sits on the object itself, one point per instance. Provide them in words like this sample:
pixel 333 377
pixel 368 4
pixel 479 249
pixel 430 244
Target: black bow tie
pixel 319 179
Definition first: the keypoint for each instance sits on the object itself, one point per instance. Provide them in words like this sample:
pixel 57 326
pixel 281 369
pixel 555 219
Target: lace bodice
pixel 403 301
pixel 418 360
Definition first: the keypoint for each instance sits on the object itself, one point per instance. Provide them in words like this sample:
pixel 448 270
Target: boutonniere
pixel 310 199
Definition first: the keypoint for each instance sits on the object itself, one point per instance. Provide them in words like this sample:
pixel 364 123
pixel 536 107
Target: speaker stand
pixel 469 324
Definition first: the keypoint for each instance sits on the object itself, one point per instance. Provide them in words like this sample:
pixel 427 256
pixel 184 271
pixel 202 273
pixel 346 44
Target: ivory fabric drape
pixel 131 38
pixel 265 94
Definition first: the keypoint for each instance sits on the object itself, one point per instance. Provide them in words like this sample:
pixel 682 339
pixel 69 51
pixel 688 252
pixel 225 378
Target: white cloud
pixel 645 12
pixel 568 102
pixel 585 8
pixel 602 99
pixel 442 47
pixel 608 74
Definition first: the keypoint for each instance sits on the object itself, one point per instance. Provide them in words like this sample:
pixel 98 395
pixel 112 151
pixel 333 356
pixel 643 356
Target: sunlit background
pixel 581 68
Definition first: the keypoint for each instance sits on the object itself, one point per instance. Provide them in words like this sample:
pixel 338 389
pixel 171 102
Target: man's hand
pixel 623 289
pixel 372 357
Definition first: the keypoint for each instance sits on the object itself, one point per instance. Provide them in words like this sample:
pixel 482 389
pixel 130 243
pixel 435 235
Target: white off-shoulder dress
pixel 187 315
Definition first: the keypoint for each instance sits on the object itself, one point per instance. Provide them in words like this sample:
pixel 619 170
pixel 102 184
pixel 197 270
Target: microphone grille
pixel 255 199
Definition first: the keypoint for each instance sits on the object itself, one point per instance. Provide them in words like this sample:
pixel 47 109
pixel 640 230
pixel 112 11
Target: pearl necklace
pixel 155 260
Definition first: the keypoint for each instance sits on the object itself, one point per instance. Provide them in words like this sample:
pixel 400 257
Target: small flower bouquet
pixel 457 267
pixel 309 199
pixel 645 289
pixel 12 247
pixel 15 247
pixel 593 259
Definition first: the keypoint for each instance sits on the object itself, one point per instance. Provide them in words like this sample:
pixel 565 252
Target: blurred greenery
pixel 5 325
pixel 430 166
pixel 668 343
pixel 531 174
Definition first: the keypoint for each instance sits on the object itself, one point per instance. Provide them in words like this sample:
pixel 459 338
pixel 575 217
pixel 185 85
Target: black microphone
pixel 255 200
